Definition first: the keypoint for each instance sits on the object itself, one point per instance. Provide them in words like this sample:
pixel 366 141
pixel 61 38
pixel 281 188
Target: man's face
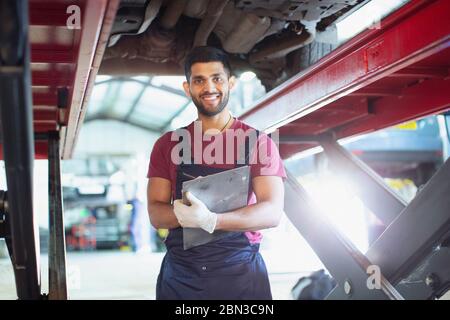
pixel 209 87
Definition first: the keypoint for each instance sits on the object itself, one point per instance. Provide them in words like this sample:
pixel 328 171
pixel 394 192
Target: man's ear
pixel 186 89
pixel 232 82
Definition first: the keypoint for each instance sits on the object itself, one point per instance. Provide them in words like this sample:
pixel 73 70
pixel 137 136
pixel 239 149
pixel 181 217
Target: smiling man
pixel 231 267
pixel 209 103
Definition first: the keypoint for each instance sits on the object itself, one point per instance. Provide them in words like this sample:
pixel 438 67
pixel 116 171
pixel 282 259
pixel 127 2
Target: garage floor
pixel 125 275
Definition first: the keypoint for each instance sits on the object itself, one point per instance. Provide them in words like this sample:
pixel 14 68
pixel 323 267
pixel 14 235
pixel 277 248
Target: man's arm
pixel 159 193
pixel 266 213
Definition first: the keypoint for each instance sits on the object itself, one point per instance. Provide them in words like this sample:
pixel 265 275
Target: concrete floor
pixel 125 275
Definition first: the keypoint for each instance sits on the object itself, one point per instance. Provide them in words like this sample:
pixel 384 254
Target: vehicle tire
pixel 424 172
pixel 298 61
pixel 306 56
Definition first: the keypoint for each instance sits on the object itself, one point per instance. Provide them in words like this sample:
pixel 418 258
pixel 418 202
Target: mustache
pixel 210 93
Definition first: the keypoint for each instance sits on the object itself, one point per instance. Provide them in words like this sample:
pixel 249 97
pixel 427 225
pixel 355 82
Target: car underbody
pixel 274 39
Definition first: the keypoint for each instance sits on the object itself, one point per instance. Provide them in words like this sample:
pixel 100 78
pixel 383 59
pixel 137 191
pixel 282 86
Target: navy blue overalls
pixel 225 269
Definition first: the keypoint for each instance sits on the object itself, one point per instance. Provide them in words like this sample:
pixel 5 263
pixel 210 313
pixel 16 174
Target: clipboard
pixel 220 192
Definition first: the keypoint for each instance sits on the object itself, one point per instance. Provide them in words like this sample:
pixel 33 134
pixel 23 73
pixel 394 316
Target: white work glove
pixel 197 215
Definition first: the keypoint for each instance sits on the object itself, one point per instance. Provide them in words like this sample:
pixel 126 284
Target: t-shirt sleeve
pixel 265 159
pixel 159 164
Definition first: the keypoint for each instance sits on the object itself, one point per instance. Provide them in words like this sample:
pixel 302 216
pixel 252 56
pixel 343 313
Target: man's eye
pixel 198 81
pixel 218 79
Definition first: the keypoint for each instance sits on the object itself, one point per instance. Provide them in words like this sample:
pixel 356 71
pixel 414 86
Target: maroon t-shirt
pixel 214 151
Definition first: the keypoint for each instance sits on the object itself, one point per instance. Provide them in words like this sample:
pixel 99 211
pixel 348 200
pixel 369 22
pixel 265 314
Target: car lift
pixel 380 78
pixel 43 99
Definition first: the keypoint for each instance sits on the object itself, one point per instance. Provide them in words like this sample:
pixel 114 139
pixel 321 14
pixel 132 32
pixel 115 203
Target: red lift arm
pixel 67 41
pixel 63 57
pixel 380 78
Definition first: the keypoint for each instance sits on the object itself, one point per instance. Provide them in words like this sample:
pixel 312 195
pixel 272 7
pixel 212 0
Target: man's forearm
pixel 255 217
pixel 162 216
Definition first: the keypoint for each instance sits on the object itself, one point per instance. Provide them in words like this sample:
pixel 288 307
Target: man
pixel 229 268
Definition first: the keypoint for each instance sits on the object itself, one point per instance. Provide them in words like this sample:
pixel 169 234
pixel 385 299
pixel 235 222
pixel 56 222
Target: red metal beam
pixel 428 97
pixel 48 16
pixel 422 72
pixel 97 22
pixel 331 116
pixel 50 78
pixel 40 99
pixel 51 13
pixel 422 99
pixel 376 92
pixel 51 56
pixel 47 115
pixel 45 126
pixel 416 31
pixel 40 150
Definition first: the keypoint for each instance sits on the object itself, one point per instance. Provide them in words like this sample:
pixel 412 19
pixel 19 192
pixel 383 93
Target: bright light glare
pixel 247 76
pixel 369 15
pixel 342 208
pixel 304 154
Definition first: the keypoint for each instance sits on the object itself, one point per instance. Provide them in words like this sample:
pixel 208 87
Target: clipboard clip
pixel 188 175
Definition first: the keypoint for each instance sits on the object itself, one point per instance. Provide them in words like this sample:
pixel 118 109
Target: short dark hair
pixel 206 54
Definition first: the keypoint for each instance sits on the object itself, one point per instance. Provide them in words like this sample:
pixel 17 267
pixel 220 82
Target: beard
pixel 218 109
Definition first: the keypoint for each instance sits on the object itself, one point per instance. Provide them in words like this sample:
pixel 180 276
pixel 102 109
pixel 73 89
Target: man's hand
pixel 197 215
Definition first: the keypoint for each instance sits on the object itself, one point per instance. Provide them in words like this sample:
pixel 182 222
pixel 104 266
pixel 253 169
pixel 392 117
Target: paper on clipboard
pixel 220 192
